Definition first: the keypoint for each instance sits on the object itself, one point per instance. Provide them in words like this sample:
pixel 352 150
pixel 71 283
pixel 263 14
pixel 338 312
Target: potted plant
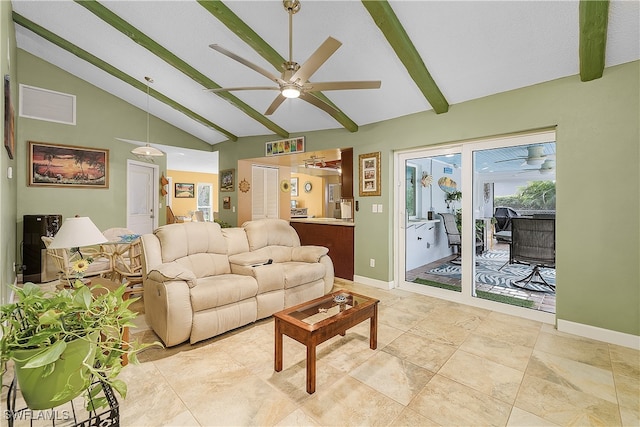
pixel 59 340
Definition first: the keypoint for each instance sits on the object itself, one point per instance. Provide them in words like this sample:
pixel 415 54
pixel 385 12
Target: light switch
pixel 374 208
pixel 380 208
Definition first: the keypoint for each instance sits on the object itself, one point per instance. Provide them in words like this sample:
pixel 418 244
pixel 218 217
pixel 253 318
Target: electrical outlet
pixel 372 262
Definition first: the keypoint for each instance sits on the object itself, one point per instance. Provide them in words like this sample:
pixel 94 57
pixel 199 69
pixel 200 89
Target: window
pixel 204 199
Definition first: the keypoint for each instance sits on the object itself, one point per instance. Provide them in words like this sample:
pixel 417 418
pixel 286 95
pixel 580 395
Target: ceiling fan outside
pixel 294 79
pixel 535 156
pixel 547 167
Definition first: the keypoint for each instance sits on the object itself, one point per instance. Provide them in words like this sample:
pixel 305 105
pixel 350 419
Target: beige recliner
pixel 201 280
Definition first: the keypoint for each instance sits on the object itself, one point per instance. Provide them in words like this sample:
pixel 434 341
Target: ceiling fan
pixel 294 79
pixel 535 156
pixel 547 166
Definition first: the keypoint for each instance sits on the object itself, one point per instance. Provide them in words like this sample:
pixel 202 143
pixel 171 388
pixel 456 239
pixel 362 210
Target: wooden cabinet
pixel 339 240
pixel 346 165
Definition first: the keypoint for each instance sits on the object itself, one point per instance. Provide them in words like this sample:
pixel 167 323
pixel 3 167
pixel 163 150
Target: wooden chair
pixel 63 259
pixel 111 249
pixel 128 266
pixel 533 242
pixel 171 218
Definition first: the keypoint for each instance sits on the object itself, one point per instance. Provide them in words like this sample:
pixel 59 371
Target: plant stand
pixel 73 413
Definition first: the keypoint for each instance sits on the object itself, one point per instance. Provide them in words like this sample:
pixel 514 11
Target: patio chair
pixel 199 216
pixel 453 235
pixel 533 242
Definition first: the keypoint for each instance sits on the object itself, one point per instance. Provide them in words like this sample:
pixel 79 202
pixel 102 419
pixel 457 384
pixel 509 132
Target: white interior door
pixel 265 194
pixel 142 203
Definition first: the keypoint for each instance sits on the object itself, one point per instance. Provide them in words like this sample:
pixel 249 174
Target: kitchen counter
pixel 325 221
pixel 336 235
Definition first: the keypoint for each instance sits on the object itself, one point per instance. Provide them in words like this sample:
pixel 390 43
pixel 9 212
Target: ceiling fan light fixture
pixel 290 91
pixel 535 161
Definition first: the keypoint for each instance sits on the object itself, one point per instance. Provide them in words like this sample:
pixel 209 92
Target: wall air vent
pixel 44 104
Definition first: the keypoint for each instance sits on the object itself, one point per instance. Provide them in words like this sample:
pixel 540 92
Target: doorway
pixel 464 184
pixel 142 197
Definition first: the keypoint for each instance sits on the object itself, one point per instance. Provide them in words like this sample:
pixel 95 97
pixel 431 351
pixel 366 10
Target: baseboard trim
pixel 600 334
pixel 373 282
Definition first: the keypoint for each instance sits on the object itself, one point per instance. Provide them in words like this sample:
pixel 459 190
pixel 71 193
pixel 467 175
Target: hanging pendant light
pixel 147 150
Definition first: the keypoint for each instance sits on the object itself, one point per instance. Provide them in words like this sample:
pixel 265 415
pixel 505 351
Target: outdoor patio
pixel 494 275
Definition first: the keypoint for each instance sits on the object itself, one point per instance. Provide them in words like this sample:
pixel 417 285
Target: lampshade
pixel 77 232
pixel 147 150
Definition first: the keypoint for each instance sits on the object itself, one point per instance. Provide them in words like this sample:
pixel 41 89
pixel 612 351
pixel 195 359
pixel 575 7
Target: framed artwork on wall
pixel 284 146
pixel 57 165
pixel 369 166
pixel 227 181
pixel 294 187
pixel 184 190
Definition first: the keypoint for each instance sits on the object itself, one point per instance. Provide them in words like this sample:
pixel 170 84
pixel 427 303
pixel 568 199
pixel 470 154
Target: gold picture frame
pixel 227 180
pixel 369 173
pixel 68 166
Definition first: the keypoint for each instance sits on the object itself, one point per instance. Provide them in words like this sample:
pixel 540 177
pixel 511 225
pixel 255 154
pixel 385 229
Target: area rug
pixel 489 272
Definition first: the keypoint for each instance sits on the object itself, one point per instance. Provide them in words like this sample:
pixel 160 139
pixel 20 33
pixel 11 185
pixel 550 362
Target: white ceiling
pixel 471 48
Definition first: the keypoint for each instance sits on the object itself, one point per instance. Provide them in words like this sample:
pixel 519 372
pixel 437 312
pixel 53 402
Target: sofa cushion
pixel 268 232
pixel 180 240
pixel 216 291
pixel 299 273
pixel 236 240
pixel 205 264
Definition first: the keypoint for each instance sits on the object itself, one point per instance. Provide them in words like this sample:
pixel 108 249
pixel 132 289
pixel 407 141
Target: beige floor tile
pixel 443 331
pixel 349 402
pixel 297 418
pixel 625 361
pixel 520 418
pixel 346 353
pixel 564 405
pixel 571 374
pixel 292 381
pixel 410 418
pixel 628 391
pixel 393 377
pixel 510 329
pixel 449 403
pixel 630 417
pixel 397 318
pixel 386 334
pixel 151 402
pixel 418 307
pixel 247 401
pixel 595 353
pixel 421 351
pixel 491 378
pixel 511 355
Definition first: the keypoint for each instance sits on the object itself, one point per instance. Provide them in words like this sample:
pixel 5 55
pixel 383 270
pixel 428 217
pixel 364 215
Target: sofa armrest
pixel 172 271
pixel 308 253
pixel 248 259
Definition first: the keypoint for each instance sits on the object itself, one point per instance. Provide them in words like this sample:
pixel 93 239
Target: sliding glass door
pixel 456 207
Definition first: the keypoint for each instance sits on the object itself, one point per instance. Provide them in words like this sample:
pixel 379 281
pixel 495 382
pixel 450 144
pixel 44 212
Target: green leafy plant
pixel 51 320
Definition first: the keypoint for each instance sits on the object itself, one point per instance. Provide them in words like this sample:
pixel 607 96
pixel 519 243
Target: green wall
pixel 598 192
pixel 8 191
pixel 100 118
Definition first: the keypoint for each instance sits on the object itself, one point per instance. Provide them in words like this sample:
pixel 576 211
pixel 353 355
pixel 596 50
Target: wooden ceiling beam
pixel 250 37
pixel 161 52
pixel 594 20
pixel 385 18
pixel 110 69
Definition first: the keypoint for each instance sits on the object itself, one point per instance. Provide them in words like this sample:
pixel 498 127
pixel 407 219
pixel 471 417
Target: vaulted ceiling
pixel 429 55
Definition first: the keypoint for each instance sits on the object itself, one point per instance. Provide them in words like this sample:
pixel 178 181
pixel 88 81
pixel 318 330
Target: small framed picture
pixel 184 190
pixel 369 166
pixel 226 202
pixel 227 180
pixel 294 187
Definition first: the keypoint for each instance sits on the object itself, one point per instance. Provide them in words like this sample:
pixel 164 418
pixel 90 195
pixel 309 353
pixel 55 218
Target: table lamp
pixel 77 232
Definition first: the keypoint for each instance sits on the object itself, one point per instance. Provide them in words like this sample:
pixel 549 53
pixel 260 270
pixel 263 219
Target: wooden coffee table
pixel 314 322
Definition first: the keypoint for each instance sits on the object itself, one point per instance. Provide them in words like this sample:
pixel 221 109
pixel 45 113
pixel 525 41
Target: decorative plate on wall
pixel 307 187
pixel 244 186
pixel 285 185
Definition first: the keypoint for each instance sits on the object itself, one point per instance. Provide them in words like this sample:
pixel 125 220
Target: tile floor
pixel 437 363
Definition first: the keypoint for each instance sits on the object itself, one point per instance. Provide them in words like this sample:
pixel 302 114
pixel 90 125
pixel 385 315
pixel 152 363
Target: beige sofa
pixel 201 280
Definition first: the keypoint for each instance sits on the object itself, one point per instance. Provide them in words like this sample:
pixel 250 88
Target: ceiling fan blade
pixel 249 64
pixel 228 89
pixel 275 104
pixel 318 58
pixel 319 103
pixel 511 160
pixel 314 87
